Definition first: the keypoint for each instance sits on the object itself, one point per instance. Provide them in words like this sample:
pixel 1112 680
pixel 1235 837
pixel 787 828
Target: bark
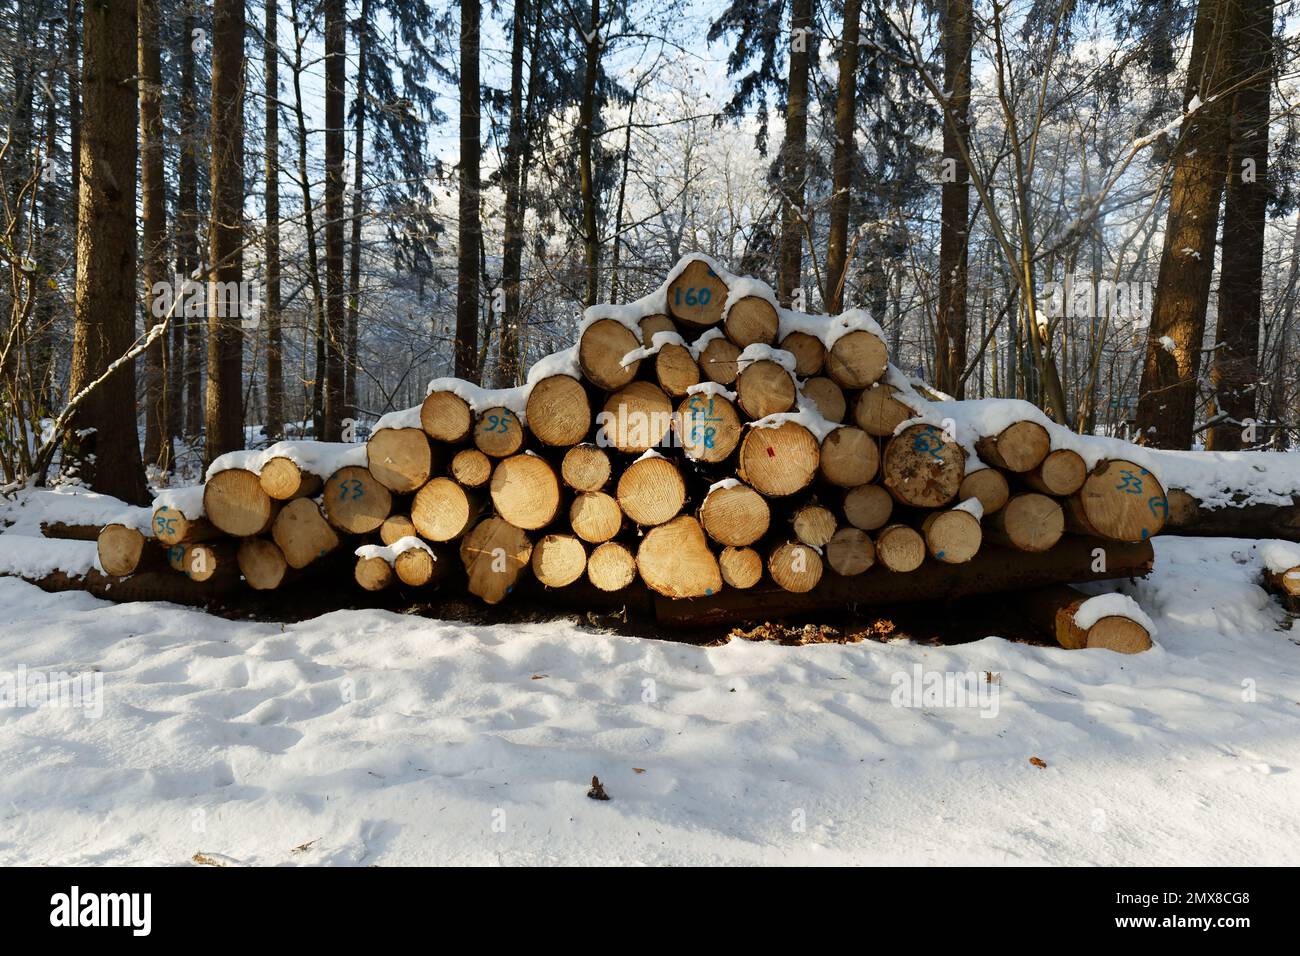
pixel 274 422
pixel 1170 372
pixel 335 331
pixel 470 229
pixel 507 372
pixel 951 319
pixel 794 153
pixel 586 147
pixel 105 449
pixel 224 411
pixel 153 201
pixel 1235 372
pixel 842 161
pixel 187 331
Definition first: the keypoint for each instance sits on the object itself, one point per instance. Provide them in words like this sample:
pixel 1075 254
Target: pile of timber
pixel 702 443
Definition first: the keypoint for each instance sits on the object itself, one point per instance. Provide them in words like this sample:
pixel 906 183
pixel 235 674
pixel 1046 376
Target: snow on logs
pixel 702 439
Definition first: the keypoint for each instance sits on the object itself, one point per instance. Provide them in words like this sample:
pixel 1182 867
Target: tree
pixel 1167 393
pixel 335 329
pixel 274 423
pixel 1234 373
pixel 104 444
pixel 470 228
pixel 153 232
pixel 794 153
pixel 224 410
pixel 950 320
pixel 359 110
pixel 846 101
pixel 512 253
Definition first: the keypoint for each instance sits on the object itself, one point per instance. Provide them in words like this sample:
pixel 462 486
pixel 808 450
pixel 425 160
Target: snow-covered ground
pixel 367 737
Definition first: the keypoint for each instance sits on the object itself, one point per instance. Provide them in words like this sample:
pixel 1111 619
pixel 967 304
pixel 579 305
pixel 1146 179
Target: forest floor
pixel 371 737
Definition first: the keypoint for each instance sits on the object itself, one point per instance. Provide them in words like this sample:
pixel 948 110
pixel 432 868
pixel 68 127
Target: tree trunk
pixel 1168 390
pixel 950 321
pixel 1235 372
pixel 153 189
pixel 224 413
pixel 470 229
pixel 351 366
pixel 842 162
pixel 507 372
pixel 335 331
pixel 586 148
pixel 274 421
pixel 187 337
pixel 108 457
pixel 794 154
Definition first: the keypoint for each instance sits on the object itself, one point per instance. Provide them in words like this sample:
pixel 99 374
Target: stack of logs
pixel 655 465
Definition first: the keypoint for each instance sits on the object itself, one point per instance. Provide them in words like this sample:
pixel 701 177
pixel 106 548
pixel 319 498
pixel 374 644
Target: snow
pixel 1168 344
pixel 390 552
pixel 1112 605
pixel 321 458
pixel 758 352
pixel 657 342
pixel 1279 556
pixel 187 500
pixel 711 388
pixel 32 556
pixel 829 329
pixel 723 485
pixel 370 737
pixel 27 510
pixel 972 505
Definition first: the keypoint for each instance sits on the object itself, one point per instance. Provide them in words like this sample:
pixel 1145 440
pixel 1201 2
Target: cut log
pixel 993 570
pixel 601 350
pixel 611 567
pixel 740 567
pixel 652 325
pixel 651 491
pixel 868 507
pixel 153 585
pixel 1119 500
pixel 808 351
pixel 595 517
pixel 302 533
pixel 498 432
pixel 858 359
pixel 674 560
pixel 675 370
pixel 558 411
pixel 1019 447
pixel 1052 611
pixel 708 427
pixel 1029 522
pixel 1061 473
pixel 204 561
pixel 585 468
pixel 814 525
pixel 952 536
pixel 123 550
pixel 989 486
pixel 922 468
pixel 446 417
pixel 751 320
pixel 417 567
pixel 764 388
pixel 635 419
pixel 734 514
pixel 171 527
pixel 471 468
pixel 355 502
pixel 526 491
pixel 284 480
pixel 373 574
pixel 849 457
pixel 397 527
pixel 494 554
pixel 1190 516
pixel 400 459
pixel 900 548
pixel 795 567
pixel 559 560
pixel 778 461
pixel 718 361
pixel 73 531
pixel 235 503
pixel 697 295
pixel 827 397
pixel 878 412
pixel 444 510
pixel 262 564
pixel 1286 585
pixel 850 552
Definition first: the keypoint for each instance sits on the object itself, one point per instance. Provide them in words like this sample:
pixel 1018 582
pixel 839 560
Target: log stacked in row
pixel 699 449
